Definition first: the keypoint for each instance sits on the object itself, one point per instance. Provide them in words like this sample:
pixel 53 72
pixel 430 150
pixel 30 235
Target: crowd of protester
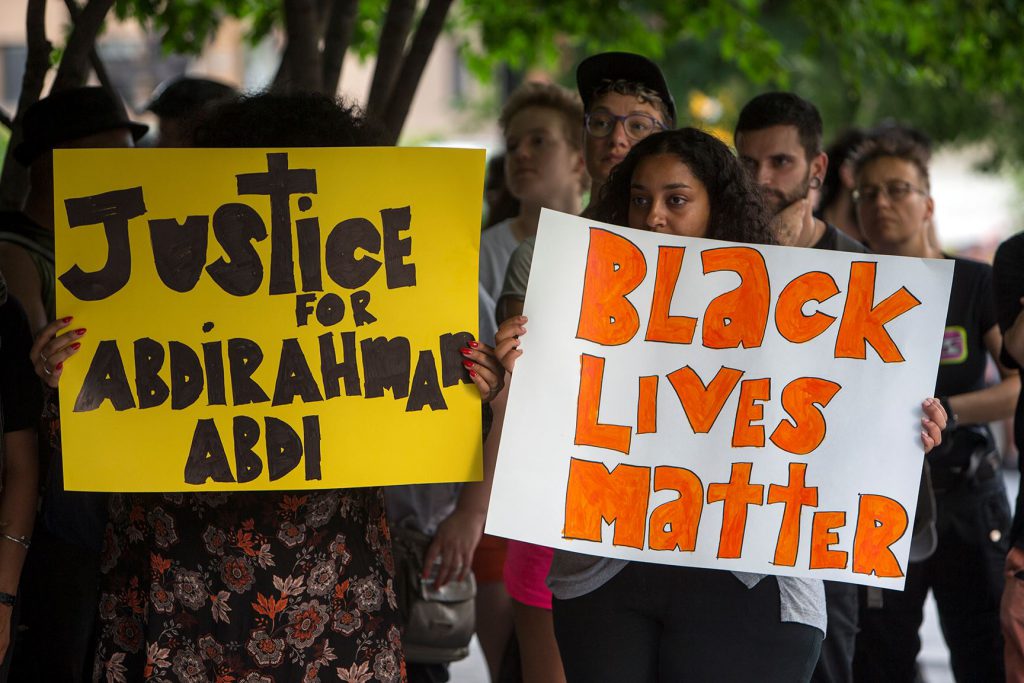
pixel 148 586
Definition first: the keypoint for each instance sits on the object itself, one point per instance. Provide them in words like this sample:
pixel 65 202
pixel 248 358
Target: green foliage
pixel 953 68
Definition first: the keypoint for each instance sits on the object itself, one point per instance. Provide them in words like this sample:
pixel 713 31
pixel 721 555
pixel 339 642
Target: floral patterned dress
pixel 248 588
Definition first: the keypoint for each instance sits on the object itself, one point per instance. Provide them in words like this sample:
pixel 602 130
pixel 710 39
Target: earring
pixel 815 183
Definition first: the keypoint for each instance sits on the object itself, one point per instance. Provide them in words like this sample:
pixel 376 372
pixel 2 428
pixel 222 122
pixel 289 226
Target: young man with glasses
pixel 625 99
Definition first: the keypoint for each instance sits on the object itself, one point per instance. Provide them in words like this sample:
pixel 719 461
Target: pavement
pixel 934 657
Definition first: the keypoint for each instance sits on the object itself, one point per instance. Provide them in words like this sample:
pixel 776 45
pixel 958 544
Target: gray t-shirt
pixel 496 246
pixel 517 275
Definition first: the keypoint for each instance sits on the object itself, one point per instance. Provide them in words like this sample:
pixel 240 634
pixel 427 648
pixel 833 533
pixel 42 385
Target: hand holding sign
pixel 285 327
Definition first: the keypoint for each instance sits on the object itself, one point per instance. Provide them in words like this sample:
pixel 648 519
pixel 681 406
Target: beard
pixel 779 200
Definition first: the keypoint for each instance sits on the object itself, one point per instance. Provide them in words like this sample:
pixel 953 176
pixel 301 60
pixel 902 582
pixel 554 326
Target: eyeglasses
pixel 637 126
pixel 896 190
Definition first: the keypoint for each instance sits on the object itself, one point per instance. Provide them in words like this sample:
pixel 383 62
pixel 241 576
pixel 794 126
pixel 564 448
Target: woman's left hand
pixel 454 543
pixel 933 422
pixel 484 369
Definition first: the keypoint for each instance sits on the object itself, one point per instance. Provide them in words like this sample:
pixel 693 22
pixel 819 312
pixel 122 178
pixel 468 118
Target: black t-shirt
pixel 835 239
pixel 1008 276
pixel 21 393
pixel 970 315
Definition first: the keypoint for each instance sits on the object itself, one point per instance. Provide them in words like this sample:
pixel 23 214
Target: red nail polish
pixel 465 352
pixel 472 373
pixel 76 346
pixel 66 320
pixel 467 363
pixel 80 331
pixel 473 344
pixel 59 365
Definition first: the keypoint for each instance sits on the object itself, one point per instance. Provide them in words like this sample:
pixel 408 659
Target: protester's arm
pixel 17 513
pixel 1013 338
pixel 1008 282
pixel 23 283
pixel 458 535
pixel 991 403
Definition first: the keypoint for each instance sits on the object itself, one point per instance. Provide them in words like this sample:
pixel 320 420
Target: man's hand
pixel 794 224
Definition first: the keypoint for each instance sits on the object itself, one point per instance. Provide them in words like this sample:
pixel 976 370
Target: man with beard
pixel 778 139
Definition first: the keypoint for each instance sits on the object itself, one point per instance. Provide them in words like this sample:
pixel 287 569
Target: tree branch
pixel 14 181
pixel 300 21
pixel 98 67
pixel 281 80
pixel 390 51
pixel 431 25
pixel 340 24
pixel 74 70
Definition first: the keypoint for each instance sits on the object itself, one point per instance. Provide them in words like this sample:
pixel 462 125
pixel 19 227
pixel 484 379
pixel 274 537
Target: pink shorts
pixel 526 569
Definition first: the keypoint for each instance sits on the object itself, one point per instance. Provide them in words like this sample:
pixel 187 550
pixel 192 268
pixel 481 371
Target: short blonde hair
pixel 549 96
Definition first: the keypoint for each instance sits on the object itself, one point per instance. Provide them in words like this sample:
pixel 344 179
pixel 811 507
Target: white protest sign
pixel 704 403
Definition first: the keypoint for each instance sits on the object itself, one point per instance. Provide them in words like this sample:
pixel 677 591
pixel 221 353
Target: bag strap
pixel 26 243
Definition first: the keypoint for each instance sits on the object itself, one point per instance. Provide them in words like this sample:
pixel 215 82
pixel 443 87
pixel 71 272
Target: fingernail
pixel 59 365
pixel 472 373
pixel 66 320
pixel 467 363
pixel 473 345
pixel 465 352
pixel 80 331
pixel 76 346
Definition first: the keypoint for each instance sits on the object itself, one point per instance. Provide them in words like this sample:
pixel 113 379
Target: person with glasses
pixel 965 573
pixel 625 99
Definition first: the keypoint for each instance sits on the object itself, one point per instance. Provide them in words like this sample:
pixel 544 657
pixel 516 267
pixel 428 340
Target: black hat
pixel 626 66
pixel 185 95
pixel 69 115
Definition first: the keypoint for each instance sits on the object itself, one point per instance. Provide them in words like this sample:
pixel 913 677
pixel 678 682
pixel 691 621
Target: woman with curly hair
pixel 617 620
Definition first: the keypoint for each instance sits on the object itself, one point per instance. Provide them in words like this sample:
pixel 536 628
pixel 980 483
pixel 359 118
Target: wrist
pixel 952 419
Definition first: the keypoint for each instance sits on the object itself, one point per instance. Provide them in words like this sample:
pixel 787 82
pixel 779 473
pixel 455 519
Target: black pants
pixel 58 600
pixel 659 623
pixel 835 664
pixel 965 574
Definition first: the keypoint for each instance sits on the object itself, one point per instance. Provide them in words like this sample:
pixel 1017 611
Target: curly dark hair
pixel 296 120
pixel 738 211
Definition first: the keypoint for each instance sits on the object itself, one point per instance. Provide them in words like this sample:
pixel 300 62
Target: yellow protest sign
pixel 268 319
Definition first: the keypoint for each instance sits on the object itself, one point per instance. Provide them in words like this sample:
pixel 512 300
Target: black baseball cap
pixel 69 115
pixel 626 66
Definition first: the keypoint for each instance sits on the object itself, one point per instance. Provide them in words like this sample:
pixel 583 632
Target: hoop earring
pixel 815 183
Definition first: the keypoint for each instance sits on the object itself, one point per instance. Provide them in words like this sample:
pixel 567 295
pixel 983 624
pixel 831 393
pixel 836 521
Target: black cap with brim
pixel 69 115
pixel 626 66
